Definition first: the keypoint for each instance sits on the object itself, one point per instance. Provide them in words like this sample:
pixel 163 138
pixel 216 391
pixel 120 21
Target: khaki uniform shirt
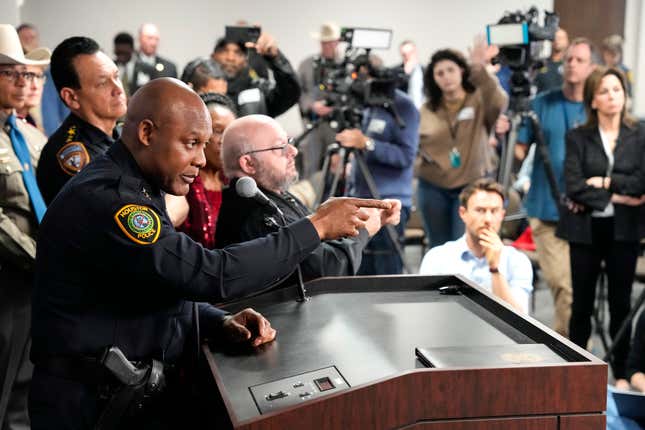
pixel 17 222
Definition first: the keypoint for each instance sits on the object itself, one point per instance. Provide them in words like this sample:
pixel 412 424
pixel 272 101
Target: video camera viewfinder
pixel 507 34
pixel 367 38
pixel 524 46
pixel 523 42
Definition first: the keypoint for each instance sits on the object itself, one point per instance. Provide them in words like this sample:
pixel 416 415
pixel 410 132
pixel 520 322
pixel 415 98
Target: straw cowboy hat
pixel 329 32
pixel 11 50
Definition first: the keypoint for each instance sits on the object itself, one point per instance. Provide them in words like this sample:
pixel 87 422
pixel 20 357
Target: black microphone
pixel 246 187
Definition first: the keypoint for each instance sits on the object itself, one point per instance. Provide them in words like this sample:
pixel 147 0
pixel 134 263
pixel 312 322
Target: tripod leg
pixel 626 322
pixel 508 153
pixel 599 311
pixel 391 231
pixel 321 196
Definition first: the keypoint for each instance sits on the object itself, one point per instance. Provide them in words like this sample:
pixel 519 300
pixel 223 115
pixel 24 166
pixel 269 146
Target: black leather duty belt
pixel 86 370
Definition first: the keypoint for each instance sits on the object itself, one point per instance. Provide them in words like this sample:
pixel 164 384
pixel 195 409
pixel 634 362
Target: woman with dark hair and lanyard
pixel 201 205
pixel 463 103
pixel 605 179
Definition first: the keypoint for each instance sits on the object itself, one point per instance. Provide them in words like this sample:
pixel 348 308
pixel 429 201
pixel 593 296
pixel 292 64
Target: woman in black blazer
pixel 605 180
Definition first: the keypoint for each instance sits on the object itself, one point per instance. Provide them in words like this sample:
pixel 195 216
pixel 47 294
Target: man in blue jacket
pixel 389 149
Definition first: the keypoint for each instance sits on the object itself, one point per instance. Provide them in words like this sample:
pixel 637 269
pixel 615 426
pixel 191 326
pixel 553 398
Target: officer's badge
pixel 72 157
pixel 140 224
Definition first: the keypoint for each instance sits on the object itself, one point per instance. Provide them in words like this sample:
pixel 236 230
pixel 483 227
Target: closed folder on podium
pixel 488 356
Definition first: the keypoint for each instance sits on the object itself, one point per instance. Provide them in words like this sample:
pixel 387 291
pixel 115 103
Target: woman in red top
pixel 205 196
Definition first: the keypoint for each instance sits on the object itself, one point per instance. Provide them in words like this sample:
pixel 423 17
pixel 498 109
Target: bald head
pixel 243 135
pixel 257 146
pixel 160 100
pixel 148 39
pixel 166 129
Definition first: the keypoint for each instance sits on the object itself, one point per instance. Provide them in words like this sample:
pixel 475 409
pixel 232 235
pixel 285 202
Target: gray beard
pixel 270 181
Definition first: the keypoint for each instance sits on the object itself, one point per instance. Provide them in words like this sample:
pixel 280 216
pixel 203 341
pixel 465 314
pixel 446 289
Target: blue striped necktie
pixel 28 177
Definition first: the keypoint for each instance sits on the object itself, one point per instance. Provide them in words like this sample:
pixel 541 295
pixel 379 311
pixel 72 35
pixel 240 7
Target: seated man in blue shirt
pixel 480 254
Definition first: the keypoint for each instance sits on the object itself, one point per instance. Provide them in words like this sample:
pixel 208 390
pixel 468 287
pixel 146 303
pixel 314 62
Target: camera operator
pixel 312 100
pixel 389 150
pixel 252 94
pixel 549 77
pixel 558 111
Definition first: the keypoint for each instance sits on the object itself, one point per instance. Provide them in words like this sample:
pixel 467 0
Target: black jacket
pixel 586 158
pixel 255 95
pixel 72 146
pixel 144 72
pixel 111 269
pixel 243 219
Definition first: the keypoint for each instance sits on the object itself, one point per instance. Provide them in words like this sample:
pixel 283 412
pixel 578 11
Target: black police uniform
pixel 72 146
pixel 243 219
pixel 111 270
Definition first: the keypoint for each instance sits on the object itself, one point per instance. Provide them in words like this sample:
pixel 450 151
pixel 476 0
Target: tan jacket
pixel 17 222
pixel 474 123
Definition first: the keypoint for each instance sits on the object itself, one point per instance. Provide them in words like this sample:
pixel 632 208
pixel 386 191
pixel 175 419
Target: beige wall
pixel 10 12
pixel 189 28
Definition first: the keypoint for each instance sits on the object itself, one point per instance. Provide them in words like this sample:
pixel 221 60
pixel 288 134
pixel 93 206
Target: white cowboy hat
pixel 11 50
pixel 329 32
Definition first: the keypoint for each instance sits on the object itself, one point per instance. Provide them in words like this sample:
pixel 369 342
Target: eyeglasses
pixel 13 75
pixel 284 149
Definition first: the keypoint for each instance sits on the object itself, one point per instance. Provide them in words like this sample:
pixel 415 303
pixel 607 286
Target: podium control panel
pixel 293 390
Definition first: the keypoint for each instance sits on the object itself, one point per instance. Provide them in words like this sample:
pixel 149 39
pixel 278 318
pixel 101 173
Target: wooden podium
pixel 345 359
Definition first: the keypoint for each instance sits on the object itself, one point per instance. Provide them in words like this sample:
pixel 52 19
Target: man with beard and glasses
pixel 257 146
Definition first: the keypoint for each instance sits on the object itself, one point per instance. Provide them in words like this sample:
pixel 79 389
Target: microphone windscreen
pixel 246 187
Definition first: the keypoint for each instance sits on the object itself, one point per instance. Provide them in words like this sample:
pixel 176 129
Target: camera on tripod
pixel 524 46
pixel 354 84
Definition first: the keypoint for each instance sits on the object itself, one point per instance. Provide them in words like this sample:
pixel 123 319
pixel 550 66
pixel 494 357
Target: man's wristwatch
pixel 493 270
pixel 369 145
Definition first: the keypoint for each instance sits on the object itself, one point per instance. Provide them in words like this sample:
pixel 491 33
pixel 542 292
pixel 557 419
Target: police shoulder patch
pixel 72 157
pixel 140 224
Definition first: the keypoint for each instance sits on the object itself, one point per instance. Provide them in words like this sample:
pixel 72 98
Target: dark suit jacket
pixel 241 219
pixel 162 68
pixel 586 158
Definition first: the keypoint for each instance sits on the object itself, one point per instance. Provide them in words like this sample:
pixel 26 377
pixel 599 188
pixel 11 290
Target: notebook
pixel 488 356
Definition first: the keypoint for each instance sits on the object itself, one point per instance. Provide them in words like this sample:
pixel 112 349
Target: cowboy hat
pixel 11 50
pixel 329 32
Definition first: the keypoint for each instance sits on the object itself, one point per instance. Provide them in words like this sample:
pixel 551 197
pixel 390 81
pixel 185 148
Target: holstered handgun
pixel 139 384
pixel 123 369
